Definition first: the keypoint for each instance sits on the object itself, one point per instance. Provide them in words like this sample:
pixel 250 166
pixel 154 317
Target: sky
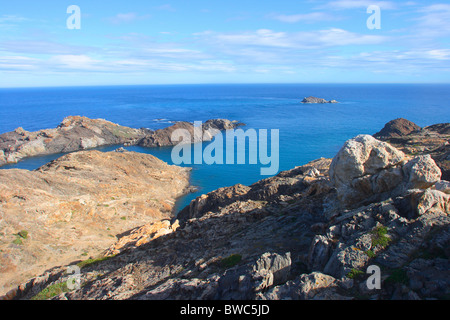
pixel 218 41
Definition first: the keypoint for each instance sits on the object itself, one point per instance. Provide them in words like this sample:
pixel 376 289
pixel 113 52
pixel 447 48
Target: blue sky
pixel 199 41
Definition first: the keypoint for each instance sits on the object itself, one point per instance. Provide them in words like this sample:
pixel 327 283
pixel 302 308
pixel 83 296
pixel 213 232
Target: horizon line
pixel 227 83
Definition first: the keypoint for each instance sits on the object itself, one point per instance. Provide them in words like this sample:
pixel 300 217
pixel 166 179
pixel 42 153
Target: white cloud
pixel 42 47
pixel 18 63
pixel 358 4
pixel 333 37
pixel 12 18
pixel 75 62
pixel 305 17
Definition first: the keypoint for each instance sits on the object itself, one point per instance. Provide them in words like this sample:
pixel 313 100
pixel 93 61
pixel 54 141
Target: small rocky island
pixel 317 100
pixel 311 232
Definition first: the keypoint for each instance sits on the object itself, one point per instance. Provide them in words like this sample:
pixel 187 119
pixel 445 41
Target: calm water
pixel 307 132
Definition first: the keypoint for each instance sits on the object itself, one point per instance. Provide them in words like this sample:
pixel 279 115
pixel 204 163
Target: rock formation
pixel 73 134
pixel 413 140
pixel 397 128
pixel 74 207
pixel 366 170
pixel 79 133
pixel 312 232
pixel 208 130
pixel 317 100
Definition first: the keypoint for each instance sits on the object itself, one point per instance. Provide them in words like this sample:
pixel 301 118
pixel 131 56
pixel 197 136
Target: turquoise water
pixel 306 132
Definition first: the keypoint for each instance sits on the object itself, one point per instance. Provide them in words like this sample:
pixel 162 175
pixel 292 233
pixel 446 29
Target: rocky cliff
pixel 312 232
pixel 80 133
pixel 74 207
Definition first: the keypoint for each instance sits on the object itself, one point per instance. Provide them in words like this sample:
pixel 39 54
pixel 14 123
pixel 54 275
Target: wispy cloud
pixel 305 17
pixel 10 20
pixel 293 40
pixel 42 47
pixel 127 18
pixel 434 21
pixel 357 4
pixel 18 63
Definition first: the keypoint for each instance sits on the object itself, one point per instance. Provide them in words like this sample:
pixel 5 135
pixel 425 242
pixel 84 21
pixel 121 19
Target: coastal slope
pixel 75 207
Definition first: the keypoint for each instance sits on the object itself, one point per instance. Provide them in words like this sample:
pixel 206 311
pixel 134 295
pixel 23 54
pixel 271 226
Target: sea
pixel 305 131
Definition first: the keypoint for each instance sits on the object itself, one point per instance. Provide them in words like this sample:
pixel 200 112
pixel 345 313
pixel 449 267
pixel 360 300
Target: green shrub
pixel 370 253
pixel 398 276
pixel 90 262
pixel 379 237
pixel 354 274
pixel 51 291
pixel 18 241
pixel 231 261
pixel 23 234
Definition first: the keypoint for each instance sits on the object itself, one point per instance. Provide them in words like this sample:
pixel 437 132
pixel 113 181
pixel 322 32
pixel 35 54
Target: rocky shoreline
pixel 77 133
pixel 311 232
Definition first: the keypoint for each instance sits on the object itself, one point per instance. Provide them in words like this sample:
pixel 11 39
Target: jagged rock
pixel 363 155
pixel 314 286
pixel 433 200
pixel 421 172
pixel 432 140
pixel 319 253
pixel 272 269
pixel 214 199
pixel 245 282
pixel 354 168
pixel 142 235
pixel 367 170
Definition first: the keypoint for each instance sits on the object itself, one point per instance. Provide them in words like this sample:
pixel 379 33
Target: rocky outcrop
pixel 163 137
pixel 74 208
pixel 73 134
pixel 413 141
pixel 77 133
pixel 313 232
pixel 367 170
pixel 397 128
pixel 317 100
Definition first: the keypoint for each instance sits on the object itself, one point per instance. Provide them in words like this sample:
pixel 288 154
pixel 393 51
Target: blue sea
pixel 306 132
